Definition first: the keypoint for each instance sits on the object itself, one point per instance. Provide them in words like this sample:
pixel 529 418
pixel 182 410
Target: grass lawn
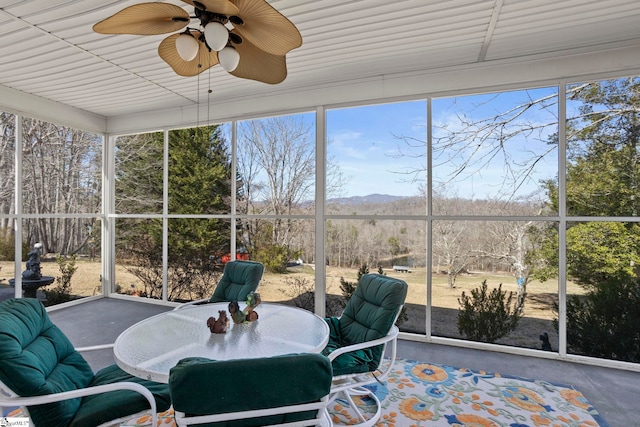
pixel 538 317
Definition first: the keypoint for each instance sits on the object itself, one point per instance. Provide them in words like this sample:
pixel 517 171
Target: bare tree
pixel 283 149
pixel 473 144
pixel 248 169
pixel 450 245
pixel 7 147
pixel 477 139
pixel 508 242
pixel 277 168
pixel 61 175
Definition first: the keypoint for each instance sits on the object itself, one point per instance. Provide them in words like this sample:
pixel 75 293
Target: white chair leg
pixel 362 391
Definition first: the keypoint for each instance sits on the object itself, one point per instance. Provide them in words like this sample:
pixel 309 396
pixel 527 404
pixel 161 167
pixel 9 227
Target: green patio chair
pixel 239 278
pixel 359 338
pixel 289 390
pixel 42 372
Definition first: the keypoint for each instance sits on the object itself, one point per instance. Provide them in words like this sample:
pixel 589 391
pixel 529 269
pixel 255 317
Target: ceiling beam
pixel 497 7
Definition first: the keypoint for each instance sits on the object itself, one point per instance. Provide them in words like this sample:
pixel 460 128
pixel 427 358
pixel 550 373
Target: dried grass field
pixel 539 308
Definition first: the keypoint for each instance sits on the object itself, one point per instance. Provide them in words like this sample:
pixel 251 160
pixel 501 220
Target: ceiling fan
pixel 248 38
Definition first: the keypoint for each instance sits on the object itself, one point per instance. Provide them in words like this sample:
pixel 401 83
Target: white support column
pixel 108 248
pixel 17 238
pixel 165 219
pixel 562 212
pixel 429 221
pixel 234 189
pixel 321 171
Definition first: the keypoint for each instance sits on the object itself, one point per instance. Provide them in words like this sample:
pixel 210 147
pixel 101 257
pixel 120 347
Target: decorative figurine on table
pixel 248 314
pixel 219 325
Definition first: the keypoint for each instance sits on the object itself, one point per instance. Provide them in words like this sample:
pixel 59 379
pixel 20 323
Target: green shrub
pixel 488 316
pixel 62 292
pixel 348 288
pixel 7 246
pixel 301 291
pixel 302 294
pixel 604 322
pixel 275 257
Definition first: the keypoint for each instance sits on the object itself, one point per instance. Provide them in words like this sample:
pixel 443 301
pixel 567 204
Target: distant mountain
pixel 368 199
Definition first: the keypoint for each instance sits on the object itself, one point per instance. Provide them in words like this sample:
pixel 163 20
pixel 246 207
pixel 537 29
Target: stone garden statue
pixel 33 264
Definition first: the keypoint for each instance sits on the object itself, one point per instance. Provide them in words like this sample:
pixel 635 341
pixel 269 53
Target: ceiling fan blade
pixel 145 19
pixel 266 28
pixel 204 59
pixel 256 64
pixel 223 7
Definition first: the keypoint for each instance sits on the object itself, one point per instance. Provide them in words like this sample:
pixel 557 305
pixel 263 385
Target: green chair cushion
pixel 202 386
pixel 238 280
pixel 358 361
pixel 368 315
pixel 37 359
pixel 100 408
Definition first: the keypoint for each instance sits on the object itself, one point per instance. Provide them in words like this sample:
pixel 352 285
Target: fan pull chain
pixel 196 133
pixel 209 99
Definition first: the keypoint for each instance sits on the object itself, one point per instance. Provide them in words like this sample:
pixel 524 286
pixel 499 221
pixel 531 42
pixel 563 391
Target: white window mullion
pixel 165 219
pixel 429 221
pixel 108 250
pixel 562 212
pixel 18 207
pixel 234 188
pixel 320 229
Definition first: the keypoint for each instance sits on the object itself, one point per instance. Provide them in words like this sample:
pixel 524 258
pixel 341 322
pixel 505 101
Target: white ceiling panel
pixel 49 50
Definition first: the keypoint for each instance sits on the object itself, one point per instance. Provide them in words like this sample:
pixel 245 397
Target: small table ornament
pixel 219 325
pixel 248 314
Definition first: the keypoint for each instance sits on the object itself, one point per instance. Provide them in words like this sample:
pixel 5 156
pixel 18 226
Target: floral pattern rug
pixel 425 394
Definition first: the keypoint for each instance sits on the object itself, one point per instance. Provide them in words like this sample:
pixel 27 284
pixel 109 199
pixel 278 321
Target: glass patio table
pixel 150 348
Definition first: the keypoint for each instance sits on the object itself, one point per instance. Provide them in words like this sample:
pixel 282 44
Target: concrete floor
pixel 614 393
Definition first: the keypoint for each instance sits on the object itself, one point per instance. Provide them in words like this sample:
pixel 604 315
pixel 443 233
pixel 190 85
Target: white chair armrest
pixel 392 335
pixel 57 397
pixel 190 303
pixel 94 347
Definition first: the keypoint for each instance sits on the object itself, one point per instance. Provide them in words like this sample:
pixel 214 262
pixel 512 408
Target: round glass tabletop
pixel 150 348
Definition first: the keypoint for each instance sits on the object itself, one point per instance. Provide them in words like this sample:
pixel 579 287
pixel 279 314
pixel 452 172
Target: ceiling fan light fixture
pixel 229 58
pixel 187 46
pixel 255 37
pixel 216 35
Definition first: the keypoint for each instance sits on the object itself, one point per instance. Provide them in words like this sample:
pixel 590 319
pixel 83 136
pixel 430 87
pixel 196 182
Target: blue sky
pixel 367 142
pixel 382 148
